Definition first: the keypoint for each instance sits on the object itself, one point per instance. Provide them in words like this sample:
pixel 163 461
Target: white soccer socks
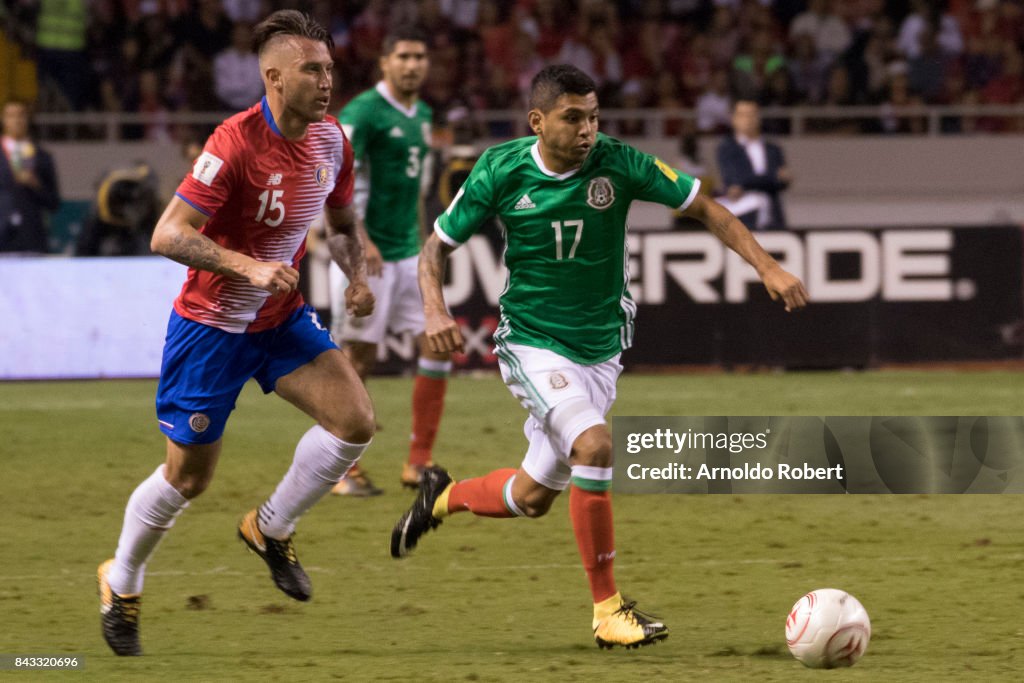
pixel 151 511
pixel 321 459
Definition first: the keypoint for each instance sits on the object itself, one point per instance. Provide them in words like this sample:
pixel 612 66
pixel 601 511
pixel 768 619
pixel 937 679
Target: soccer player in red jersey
pixel 239 222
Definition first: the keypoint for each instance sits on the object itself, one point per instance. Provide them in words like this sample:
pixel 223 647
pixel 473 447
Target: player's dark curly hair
pixel 289 22
pixel 409 32
pixel 556 80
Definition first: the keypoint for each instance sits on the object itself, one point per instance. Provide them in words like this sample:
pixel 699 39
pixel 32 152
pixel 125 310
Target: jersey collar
pixel 382 88
pixel 268 116
pixel 535 153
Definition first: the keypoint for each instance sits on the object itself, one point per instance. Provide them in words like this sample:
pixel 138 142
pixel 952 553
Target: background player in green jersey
pixel 389 127
pixel 566 316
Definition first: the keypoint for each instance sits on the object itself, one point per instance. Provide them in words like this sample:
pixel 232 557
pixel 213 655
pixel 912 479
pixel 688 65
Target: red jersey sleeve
pixel 341 195
pixel 209 184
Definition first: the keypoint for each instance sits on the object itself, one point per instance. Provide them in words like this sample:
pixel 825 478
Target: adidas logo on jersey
pixel 396 132
pixel 524 203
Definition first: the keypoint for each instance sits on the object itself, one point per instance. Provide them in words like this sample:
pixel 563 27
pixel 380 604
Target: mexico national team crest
pixel 600 193
pixel 323 176
pixel 558 380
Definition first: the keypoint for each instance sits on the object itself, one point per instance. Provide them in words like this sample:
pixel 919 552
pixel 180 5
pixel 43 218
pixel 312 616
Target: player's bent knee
pixel 536 503
pixel 593 448
pixel 356 426
pixel 535 510
pixel 190 485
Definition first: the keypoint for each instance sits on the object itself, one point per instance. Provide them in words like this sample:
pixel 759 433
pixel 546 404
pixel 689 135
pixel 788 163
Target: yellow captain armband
pixel 666 169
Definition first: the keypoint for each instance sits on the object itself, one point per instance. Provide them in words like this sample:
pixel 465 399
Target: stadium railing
pixel 798 121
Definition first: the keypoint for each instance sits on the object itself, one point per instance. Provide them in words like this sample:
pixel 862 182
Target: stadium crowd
pixel 192 55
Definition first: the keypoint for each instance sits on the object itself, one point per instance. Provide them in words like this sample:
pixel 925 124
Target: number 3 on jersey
pixel 271 207
pixel 412 169
pixel 557 227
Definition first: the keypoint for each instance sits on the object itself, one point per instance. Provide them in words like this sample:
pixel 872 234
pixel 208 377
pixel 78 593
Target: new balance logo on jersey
pixel 274 179
pixel 396 132
pixel 524 203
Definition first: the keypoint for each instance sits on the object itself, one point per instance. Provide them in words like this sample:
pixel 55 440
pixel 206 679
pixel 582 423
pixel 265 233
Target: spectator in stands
pixel 691 163
pixel 754 66
pixel 898 97
pixel 201 36
pixel 724 36
pixel 754 171
pixel 713 106
pixel 236 71
pixel 152 100
pixel 28 185
pixel 930 13
pixel 249 11
pixel 462 13
pixel 61 48
pixel 633 96
pixel 827 29
pixel 624 42
pixel 778 92
pixel 926 73
pixel 105 33
pixel 808 69
pixel 694 66
pixel 879 51
pixel 667 99
pixel 547 26
pixel 156 42
pixel 838 93
pixel 1006 88
pixel 982 59
pixel 498 34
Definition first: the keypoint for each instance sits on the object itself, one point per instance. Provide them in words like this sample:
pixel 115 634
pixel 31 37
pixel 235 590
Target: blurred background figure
pixel 236 72
pixel 28 185
pixel 61 28
pixel 121 220
pixel 754 171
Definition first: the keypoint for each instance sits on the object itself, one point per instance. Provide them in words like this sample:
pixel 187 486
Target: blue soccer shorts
pixel 204 369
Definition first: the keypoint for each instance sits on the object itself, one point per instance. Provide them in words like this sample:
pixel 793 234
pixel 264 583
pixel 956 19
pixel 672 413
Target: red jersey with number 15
pixel 261 192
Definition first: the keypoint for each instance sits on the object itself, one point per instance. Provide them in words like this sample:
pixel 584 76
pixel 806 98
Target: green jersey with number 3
pixel 566 240
pixel 391 143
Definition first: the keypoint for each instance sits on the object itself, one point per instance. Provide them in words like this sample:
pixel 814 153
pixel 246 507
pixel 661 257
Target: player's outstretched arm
pixel 347 251
pixel 733 234
pixel 177 237
pixel 443 334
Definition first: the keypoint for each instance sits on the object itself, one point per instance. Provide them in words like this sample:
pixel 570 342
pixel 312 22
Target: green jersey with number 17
pixel 390 143
pixel 565 236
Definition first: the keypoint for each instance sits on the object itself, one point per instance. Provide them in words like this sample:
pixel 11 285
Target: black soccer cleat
pixel 419 519
pixel 628 627
pixel 119 616
pixel 285 570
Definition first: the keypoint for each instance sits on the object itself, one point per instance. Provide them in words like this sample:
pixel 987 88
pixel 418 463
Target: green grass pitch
pixel 501 600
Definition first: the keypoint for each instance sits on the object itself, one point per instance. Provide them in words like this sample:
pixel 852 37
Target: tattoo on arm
pixel 431 269
pixel 344 244
pixel 195 250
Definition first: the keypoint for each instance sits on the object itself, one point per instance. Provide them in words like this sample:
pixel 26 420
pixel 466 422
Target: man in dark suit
pixel 28 185
pixel 753 171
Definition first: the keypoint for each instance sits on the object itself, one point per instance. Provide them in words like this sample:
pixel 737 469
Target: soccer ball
pixel 828 628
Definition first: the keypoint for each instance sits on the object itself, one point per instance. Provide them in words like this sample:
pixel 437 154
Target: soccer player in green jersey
pixel 389 127
pixel 566 316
